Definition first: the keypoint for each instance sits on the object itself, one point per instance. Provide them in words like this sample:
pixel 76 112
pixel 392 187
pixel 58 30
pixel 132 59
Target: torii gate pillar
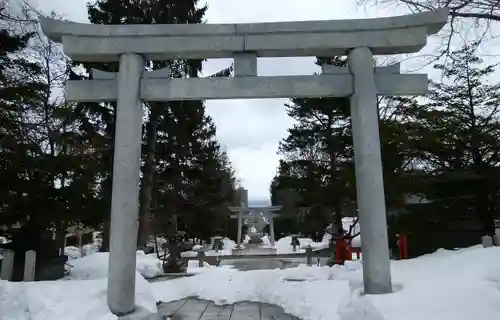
pixel 243 199
pixel 368 168
pixel 125 193
pixel 271 229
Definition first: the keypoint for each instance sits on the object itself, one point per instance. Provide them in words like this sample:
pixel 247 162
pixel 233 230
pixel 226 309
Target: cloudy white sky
pixel 251 129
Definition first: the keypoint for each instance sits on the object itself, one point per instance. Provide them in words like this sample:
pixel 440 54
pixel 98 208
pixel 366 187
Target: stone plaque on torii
pixel 131 45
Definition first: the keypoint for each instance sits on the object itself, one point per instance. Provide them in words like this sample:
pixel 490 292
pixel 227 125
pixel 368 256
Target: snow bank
pixel 95 266
pixel 90 248
pixel 69 300
pixel 193 266
pixel 266 241
pixel 446 285
pixel 283 245
pixel 80 296
pixel 197 247
pixel 148 266
pixel 229 245
pixel 246 239
pixel 72 252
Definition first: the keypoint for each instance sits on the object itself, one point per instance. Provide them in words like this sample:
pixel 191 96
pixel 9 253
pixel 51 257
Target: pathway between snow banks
pixel 446 285
pixel 193 308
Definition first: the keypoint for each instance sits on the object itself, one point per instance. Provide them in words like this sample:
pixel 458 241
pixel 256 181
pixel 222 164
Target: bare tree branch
pixel 465 16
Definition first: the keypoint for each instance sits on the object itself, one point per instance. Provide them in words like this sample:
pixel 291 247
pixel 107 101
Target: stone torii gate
pixel 131 45
pixel 244 212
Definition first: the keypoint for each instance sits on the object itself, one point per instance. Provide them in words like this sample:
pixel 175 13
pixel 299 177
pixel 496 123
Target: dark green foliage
pixel 317 161
pixel 317 171
pixel 460 127
pixel 56 158
pixel 33 206
pixel 454 143
pixel 443 148
pixel 187 180
pixel 20 91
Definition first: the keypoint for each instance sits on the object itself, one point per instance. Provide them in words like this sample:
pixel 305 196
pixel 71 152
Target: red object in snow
pixel 344 250
pixel 341 249
pixel 403 246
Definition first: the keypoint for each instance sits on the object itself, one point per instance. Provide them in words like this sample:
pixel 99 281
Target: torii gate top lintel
pixel 102 43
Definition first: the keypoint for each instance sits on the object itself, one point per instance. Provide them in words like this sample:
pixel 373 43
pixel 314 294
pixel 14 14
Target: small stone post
pixel 240 226
pixel 7 265
pixel 497 237
pixel 174 252
pixel 29 265
pixel 369 179
pixel 271 228
pixel 487 241
pixel 295 242
pixel 243 197
pixel 217 244
pixel 309 251
pixel 125 191
pixel 201 258
pixel 79 237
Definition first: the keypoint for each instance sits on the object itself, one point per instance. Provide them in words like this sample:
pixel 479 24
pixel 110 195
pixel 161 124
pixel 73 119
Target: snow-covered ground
pixel 80 296
pixel 75 253
pixel 95 266
pixel 283 245
pixel 229 245
pixel 446 285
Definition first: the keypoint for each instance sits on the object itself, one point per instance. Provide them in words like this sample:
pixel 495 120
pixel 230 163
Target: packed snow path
pixel 193 308
pixel 262 264
pixel 257 264
pixel 254 249
pixel 267 263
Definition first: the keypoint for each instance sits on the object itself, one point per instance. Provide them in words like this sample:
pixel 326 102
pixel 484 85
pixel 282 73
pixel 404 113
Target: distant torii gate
pixel 245 211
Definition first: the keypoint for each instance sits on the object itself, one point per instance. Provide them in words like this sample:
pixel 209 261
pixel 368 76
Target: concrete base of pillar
pixel 142 314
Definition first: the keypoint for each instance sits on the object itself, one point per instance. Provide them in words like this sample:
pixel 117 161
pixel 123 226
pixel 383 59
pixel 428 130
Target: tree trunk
pixel 146 192
pixel 108 190
pixel 336 183
pixel 105 237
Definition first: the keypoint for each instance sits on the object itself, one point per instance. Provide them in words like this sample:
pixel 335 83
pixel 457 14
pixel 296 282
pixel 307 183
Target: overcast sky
pixel 251 129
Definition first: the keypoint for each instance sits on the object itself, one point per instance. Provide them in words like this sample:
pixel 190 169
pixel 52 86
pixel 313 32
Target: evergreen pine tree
pixel 176 133
pixel 459 127
pixel 318 164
